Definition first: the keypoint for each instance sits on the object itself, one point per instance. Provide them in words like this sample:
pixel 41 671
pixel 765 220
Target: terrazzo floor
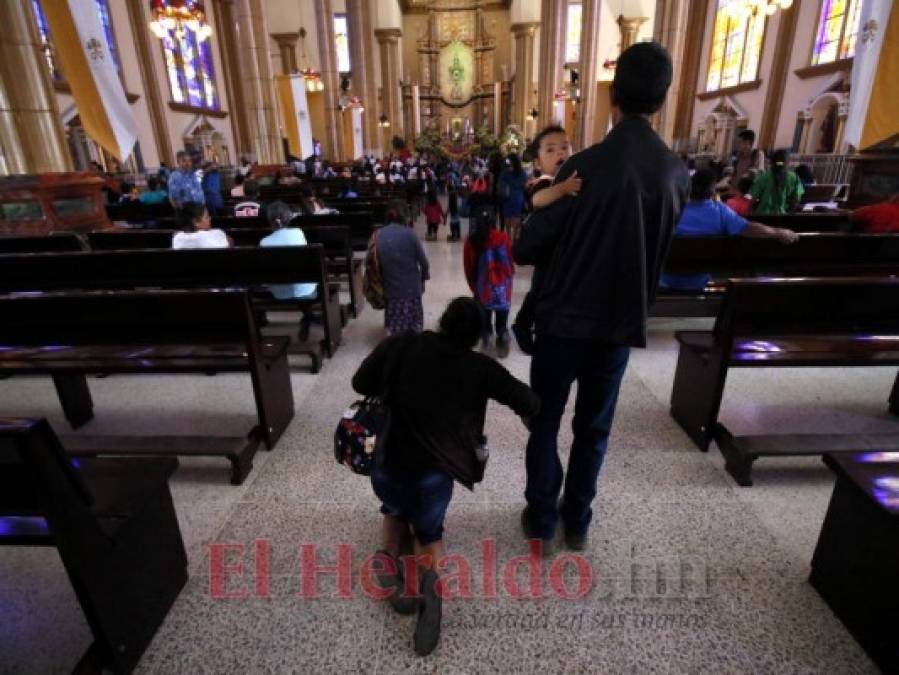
pixel 690 572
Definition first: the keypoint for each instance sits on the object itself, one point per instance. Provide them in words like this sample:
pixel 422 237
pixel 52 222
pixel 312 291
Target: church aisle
pixel 691 573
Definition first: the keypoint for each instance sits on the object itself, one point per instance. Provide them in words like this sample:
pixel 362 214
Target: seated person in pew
pixel 882 218
pixel 704 216
pixel 279 216
pixel 778 190
pixel 311 204
pixel 741 203
pixel 237 188
pixel 204 235
pixel 250 206
pixel 154 194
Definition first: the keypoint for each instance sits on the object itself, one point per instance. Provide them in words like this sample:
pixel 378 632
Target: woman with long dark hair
pixel 778 190
pixel 489 271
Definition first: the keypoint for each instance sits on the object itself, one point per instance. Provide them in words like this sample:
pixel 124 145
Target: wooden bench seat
pixel 838 322
pixel 71 335
pixel 115 528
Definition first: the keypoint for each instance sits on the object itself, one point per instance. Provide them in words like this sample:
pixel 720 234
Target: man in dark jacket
pixel 602 252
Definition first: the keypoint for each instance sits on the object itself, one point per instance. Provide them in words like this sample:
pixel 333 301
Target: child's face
pixel 552 153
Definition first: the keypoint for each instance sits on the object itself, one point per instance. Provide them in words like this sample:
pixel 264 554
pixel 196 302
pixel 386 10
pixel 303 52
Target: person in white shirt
pixel 204 236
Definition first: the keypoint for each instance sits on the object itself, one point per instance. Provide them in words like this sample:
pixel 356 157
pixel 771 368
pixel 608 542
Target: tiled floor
pixel 691 573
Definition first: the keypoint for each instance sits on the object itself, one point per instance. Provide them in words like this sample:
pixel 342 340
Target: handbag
pixel 373 280
pixel 362 431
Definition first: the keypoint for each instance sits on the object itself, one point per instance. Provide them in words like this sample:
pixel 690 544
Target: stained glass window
pixel 573 33
pixel 188 65
pixel 837 30
pixel 43 29
pixel 342 39
pixel 736 45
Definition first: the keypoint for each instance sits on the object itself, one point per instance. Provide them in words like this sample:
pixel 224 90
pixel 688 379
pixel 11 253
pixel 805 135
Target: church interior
pixel 194 192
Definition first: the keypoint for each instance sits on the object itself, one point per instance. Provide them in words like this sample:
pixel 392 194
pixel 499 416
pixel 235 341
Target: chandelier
pixel 749 8
pixel 313 79
pixel 179 16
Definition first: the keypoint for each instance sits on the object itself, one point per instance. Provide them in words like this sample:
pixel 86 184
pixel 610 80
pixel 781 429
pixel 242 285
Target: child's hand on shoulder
pixel 572 184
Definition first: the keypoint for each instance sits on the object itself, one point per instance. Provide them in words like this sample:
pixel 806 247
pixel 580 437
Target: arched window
pixel 43 29
pixel 837 31
pixel 188 65
pixel 736 45
pixel 342 43
pixel 573 33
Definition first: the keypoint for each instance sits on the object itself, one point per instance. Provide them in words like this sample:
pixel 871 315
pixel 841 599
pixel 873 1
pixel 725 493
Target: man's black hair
pixel 702 185
pixel 745 184
pixel 397 212
pixel 643 74
pixel 462 322
pixel 530 153
pixel 152 183
pixel 747 135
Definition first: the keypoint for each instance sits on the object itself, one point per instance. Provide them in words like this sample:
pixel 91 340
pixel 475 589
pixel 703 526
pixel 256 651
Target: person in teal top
pixel 778 190
pixel 279 216
pixel 154 194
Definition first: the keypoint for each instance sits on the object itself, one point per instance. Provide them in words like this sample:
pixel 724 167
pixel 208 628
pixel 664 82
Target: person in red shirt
pixel 740 203
pixel 434 215
pixel 880 218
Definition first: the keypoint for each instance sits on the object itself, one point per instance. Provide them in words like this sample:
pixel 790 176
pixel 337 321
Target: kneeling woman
pixel 438 389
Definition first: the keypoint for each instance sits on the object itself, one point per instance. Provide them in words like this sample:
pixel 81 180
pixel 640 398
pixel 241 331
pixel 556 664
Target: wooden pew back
pixel 60 241
pixel 858 307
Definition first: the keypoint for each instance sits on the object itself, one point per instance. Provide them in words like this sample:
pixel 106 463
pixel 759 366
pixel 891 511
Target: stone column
pixel 689 75
pixel 786 34
pixel 226 35
pixel 523 84
pixel 362 61
pixel 31 131
pixel 587 73
pixel 553 19
pixel 287 48
pixel 670 31
pixel 332 144
pixel 391 99
pixel 143 42
pixel 257 82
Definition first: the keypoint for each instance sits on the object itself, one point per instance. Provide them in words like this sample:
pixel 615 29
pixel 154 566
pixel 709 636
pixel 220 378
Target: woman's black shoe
pixel 430 613
pixel 401 603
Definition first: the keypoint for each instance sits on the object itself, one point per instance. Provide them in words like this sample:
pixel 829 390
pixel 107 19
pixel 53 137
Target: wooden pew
pixel 50 243
pixel 114 525
pixel 812 221
pixel 857 555
pixel 71 335
pixel 732 257
pixel 136 212
pixel 770 323
pixel 335 240
pixel 199 268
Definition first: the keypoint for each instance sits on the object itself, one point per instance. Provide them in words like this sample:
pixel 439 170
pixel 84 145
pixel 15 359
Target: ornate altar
pixel 457 88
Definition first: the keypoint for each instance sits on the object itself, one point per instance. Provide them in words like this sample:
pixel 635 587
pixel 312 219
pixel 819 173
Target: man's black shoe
pixel 430 613
pixel 548 546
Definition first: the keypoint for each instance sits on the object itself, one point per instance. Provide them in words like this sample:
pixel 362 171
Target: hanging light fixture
pixel 179 16
pixel 383 122
pixel 311 77
pixel 532 115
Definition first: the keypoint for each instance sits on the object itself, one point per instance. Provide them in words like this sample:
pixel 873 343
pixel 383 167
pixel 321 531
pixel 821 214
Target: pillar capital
pixel 629 25
pixel 388 35
pixel 528 28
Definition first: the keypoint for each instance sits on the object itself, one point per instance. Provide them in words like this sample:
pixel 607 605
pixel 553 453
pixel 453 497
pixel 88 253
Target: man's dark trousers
pixel 598 368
